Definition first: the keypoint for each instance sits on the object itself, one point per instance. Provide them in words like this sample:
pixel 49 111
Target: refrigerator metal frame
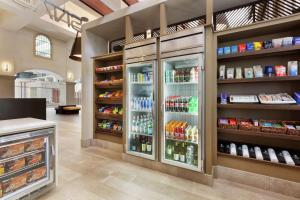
pixel 184 44
pixel 139 54
pixel 50 162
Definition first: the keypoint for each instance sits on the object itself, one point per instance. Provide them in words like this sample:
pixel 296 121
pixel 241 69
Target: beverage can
pixel 190 154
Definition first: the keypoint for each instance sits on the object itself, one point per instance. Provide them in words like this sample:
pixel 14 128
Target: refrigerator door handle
pixel 162 107
pixel 52 158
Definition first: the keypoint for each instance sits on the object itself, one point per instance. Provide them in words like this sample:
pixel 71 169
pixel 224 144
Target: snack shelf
pixel 229 156
pixel 141 111
pixel 22 170
pixel 260 107
pixel 109 71
pixel 117 117
pixel 258 134
pixel 110 101
pixel 98 85
pixel 260 80
pixel 108 131
pixel 262 53
pixel 179 140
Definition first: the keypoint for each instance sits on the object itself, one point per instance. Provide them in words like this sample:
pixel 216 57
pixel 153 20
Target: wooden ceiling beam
pixel 98 6
pixel 130 2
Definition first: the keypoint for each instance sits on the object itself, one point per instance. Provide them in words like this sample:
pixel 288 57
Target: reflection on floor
pixel 92 174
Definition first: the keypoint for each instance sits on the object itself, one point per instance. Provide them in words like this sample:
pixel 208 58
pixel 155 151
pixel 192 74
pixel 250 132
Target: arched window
pixel 43 46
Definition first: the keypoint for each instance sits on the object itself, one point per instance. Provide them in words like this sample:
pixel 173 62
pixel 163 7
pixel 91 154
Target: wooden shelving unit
pixel 259 107
pixel 262 53
pixel 258 134
pixel 260 80
pixel 106 60
pixel 255 86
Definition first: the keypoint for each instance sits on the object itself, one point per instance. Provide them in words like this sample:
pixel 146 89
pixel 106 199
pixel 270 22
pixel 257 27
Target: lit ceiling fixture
pixel 76 49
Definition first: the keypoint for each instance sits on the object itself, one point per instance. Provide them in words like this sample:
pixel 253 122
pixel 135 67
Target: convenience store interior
pixel 149 99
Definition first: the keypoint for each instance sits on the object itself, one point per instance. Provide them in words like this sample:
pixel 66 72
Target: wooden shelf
pixel 109 57
pixel 110 101
pixel 260 107
pixel 259 161
pixel 107 86
pixel 109 132
pixel 257 134
pixel 117 117
pixel 109 71
pixel 262 53
pixel 260 80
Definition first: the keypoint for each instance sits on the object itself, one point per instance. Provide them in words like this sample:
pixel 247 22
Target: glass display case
pixel 141 109
pixel 182 126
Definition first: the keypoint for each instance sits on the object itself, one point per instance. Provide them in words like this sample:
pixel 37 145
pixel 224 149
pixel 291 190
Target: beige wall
pixel 16 49
pixel 7 86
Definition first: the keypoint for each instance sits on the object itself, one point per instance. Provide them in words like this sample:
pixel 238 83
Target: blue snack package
pixel 220 51
pixel 296 40
pixel 234 49
pixel 297 97
pixel 250 46
pixel 227 50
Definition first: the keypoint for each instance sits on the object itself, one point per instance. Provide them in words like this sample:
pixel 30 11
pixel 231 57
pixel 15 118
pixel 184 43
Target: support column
pixel 128 30
pixel 211 90
pixel 70 94
pixel 163 19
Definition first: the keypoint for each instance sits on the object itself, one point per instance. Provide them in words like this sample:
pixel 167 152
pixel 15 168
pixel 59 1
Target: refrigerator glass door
pixel 140 107
pixel 26 163
pixel 182 96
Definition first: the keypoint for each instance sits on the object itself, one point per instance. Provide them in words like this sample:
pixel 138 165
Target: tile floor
pixel 92 174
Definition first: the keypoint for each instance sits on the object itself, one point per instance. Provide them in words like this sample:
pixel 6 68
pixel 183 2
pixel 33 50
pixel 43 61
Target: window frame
pixel 34 46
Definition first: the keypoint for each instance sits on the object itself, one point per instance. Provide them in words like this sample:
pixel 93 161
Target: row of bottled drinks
pixel 181 130
pixel 182 152
pixel 141 144
pixel 186 104
pixel 182 75
pixel 141 77
pixel 142 124
pixel 142 103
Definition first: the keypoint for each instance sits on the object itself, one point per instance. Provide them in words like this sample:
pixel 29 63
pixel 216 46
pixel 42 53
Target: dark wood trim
pixel 260 107
pixel 260 80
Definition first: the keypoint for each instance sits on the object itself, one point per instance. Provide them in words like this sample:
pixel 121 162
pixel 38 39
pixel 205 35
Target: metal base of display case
pixel 206 179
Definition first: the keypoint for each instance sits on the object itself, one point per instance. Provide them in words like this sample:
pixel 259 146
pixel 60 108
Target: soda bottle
pixel 149 146
pixel 187 75
pixel 133 124
pixel 167 104
pixel 167 76
pixel 133 143
pixel 181 76
pixel 193 75
pixel 176 104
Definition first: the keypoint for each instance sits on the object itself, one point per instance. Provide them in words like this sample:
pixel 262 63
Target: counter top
pixel 8 127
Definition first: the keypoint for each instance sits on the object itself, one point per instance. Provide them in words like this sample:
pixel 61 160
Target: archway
pixel 38 83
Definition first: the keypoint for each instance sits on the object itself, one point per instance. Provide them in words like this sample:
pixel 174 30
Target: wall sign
pixel 62 15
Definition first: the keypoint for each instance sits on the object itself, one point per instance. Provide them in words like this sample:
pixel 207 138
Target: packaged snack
pixel 14 183
pixel 223 121
pixel 238 73
pixel 35 144
pixel 220 51
pixel 232 121
pixel 248 72
pixel 296 40
pixel 222 72
pixel 250 46
pixel 230 73
pixel 257 46
pixel 37 174
pixel 224 97
pixel 12 150
pixel 269 71
pixel 258 71
pixel 227 50
pixel 2 169
pixel 242 48
pixel 280 70
pixel 287 41
pixel 33 159
pixel 267 45
pixel 234 49
pixel 297 97
pixel 293 68
pixel 277 42
pixel 14 165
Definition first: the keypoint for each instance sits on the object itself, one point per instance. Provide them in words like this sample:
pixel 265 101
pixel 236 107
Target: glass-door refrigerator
pixel 182 100
pixel 141 97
